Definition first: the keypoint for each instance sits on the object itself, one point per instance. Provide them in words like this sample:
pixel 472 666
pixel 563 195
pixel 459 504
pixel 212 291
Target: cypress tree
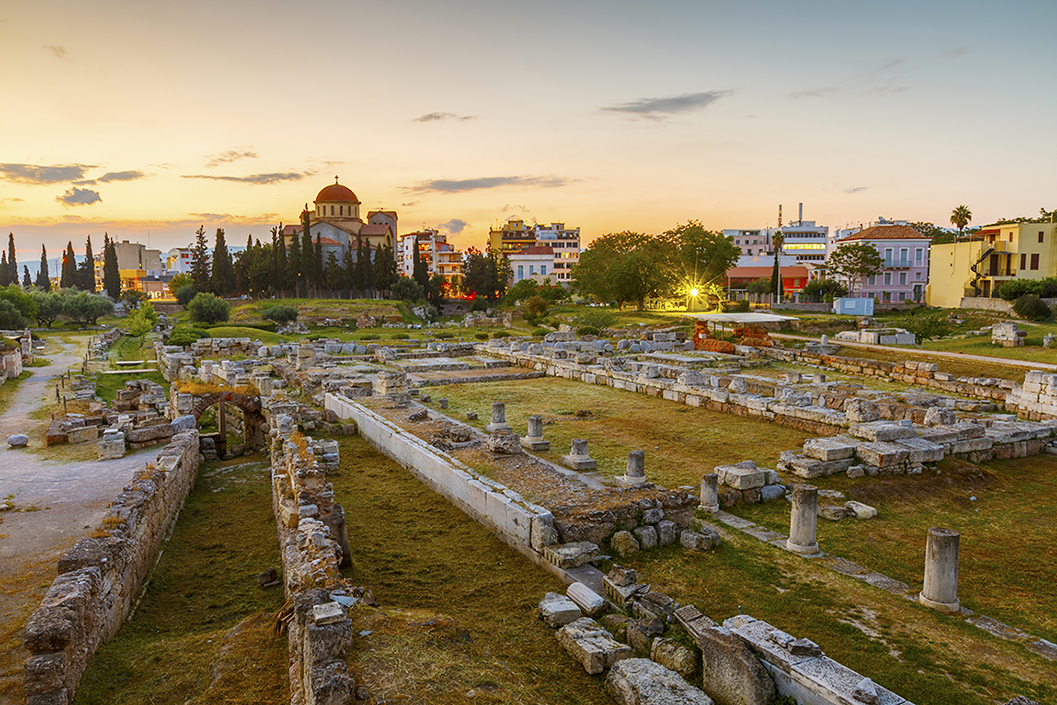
pixel 222 280
pixel 11 262
pixel 86 272
pixel 364 269
pixel 5 271
pixel 44 276
pixel 282 266
pixel 68 276
pixel 348 265
pixel 308 259
pixel 420 270
pixel 317 263
pixel 384 275
pixel 26 281
pixel 111 273
pixel 294 269
pixel 200 261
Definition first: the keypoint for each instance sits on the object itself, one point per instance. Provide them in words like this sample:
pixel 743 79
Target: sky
pixel 146 120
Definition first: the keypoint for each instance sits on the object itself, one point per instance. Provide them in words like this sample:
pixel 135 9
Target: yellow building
pixel 514 236
pixel 976 265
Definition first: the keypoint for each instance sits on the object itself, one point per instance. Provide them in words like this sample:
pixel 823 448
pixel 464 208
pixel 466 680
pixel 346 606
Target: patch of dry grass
pixel 682 443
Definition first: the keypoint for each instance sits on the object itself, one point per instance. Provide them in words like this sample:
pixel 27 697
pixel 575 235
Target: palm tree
pixel 960 217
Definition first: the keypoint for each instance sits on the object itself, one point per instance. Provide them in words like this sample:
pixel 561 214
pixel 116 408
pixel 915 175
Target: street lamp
pixel 690 303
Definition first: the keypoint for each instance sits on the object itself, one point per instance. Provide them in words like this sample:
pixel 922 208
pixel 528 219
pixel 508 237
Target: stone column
pixel 803 518
pixel 635 474
pixel 941 571
pixel 534 440
pixel 710 493
pixel 578 459
pixel 498 418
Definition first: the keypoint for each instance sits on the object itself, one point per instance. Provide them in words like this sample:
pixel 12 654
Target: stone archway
pixel 253 422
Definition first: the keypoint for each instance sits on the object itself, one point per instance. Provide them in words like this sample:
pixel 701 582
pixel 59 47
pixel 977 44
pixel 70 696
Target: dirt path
pixel 1010 362
pixel 56 504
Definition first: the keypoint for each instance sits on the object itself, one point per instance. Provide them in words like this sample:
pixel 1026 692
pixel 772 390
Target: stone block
pixel 558 610
pixel 652 516
pixel 694 541
pixel 742 476
pixel 589 602
pixel 624 543
pixel 587 642
pixel 830 448
pixel 730 672
pixel 327 613
pixel 637 681
pixel 621 576
pixel 667 532
pixel 571 555
pixel 971 444
pixel 674 656
pixel 82 434
pixel 921 450
pixel 647 537
pixel 111 446
pixel 881 431
pixel 882 454
pixel 862 511
pixel 151 434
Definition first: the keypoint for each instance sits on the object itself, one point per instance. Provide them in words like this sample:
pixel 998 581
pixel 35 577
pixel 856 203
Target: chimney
pixel 800 218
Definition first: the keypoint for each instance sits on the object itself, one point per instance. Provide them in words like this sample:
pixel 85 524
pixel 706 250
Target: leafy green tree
pixel 68 277
pixel 222 278
pixel 185 294
pixel 207 308
pixel 758 287
pixel 407 289
pixel 435 290
pixel 627 266
pixel 855 260
pixel 49 306
pixel 86 270
pixel 200 261
pixel 84 308
pixel 960 217
pixel 824 289
pixel 20 300
pixel 535 309
pixel 178 282
pixel 705 255
pixel 43 281
pixel 10 317
pixel 133 297
pixel 111 273
pixel 521 291
pixel 280 313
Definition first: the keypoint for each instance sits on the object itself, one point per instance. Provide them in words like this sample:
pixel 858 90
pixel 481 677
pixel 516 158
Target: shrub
pixel 521 291
pixel 186 336
pixel 207 308
pixel 742 306
pixel 540 332
pixel 821 290
pixel 1015 288
pixel 444 334
pixel 185 294
pixel 479 304
pixel 1048 288
pixel 399 336
pixel 928 326
pixel 598 318
pixel 407 289
pixel 499 335
pixel 1032 308
pixel 10 317
pixel 281 313
pixel 587 330
pixel 481 336
pixel 369 336
pixel 535 309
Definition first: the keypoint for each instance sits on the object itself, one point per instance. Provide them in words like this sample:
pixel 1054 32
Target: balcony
pixel 899 263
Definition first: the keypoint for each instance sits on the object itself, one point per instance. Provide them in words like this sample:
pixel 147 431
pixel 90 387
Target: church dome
pixel 336 193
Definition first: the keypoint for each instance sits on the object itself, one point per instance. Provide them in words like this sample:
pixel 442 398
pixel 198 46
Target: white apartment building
pixel 536 263
pixel 751 242
pixel 433 247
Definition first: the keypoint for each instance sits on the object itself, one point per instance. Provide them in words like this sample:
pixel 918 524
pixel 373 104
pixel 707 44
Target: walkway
pixel 932 353
pixel 64 501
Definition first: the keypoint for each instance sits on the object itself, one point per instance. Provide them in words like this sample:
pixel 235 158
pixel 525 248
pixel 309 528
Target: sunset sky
pixel 131 116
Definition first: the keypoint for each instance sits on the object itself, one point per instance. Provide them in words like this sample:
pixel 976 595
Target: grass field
pixel 458 607
pixel 682 443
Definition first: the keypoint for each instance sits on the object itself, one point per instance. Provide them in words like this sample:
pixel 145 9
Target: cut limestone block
pixel 881 431
pixel 862 511
pixel 570 555
pixel 921 450
pixel 558 610
pixel 730 672
pixel 591 645
pixel 639 681
pixel 742 476
pixel 882 454
pixel 830 448
pixel 589 601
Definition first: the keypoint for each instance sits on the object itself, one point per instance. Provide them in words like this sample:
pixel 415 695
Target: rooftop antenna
pixel 800 219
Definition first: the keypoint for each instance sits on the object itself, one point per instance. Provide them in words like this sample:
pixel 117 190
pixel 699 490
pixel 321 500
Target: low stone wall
pixel 101 576
pixel 313 545
pixel 526 527
pixel 1036 398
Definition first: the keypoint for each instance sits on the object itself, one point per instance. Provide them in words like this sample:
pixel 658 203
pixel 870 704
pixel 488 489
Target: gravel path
pixel 65 500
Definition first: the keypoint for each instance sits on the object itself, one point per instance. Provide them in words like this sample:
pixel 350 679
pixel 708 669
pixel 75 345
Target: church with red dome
pixel 335 222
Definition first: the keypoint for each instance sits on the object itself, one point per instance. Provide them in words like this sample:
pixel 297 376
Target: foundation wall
pixel 101 577
pixel 521 524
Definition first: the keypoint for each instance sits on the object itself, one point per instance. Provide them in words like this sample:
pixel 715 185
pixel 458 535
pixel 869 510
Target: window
pixel 888 278
pixel 1035 261
pixel 918 255
pixel 917 276
pixel 332 210
pixel 1023 260
pixel 902 296
pixel 543 269
pixel 902 280
pixel 532 270
pixel 341 210
pixel 888 255
pixel 1041 233
pixel 521 271
pixel 871 280
pixel 904 257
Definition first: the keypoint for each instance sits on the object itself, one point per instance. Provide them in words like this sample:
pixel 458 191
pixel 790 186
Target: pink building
pixel 905 262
